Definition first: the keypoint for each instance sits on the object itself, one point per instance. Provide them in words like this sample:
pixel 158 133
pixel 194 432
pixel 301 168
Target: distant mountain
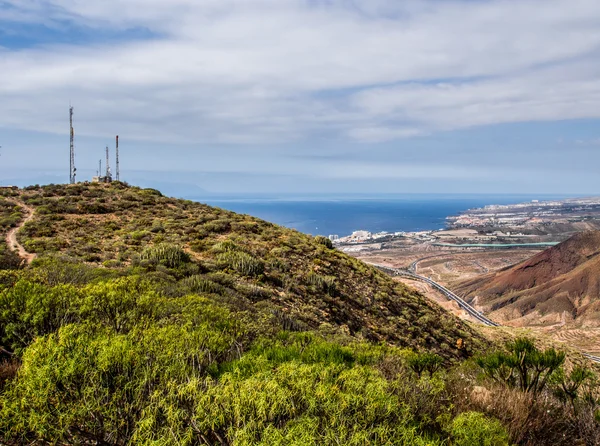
pixel 559 285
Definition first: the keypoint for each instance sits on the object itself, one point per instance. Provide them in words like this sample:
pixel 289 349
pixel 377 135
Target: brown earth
pixel 435 295
pixel 449 266
pixel 11 237
pixel 559 286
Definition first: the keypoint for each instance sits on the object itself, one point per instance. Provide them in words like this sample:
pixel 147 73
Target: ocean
pixel 342 216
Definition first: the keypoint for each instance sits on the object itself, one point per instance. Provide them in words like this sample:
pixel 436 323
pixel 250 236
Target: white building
pixel 363 235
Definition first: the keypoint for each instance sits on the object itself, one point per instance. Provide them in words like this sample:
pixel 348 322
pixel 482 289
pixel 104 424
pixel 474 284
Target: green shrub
pixel 29 310
pixel 253 292
pixel 425 362
pixel 322 283
pixel 82 384
pixel 139 235
pixel 225 246
pixel 10 260
pixel 243 263
pixel 524 366
pixel 158 229
pixel 200 284
pixel 574 385
pixel 475 429
pixel 217 226
pixel 324 241
pixel 279 265
pixel 167 255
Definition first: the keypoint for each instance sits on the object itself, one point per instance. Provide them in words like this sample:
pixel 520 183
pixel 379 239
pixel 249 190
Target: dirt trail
pixel 11 238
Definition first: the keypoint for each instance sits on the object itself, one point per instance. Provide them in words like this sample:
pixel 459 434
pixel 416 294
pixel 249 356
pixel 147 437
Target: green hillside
pixel 247 262
pixel 150 320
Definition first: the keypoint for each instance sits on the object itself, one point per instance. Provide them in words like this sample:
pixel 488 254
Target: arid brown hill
pixel 559 285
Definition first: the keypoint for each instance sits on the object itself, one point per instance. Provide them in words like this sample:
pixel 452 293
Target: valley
pixel 472 255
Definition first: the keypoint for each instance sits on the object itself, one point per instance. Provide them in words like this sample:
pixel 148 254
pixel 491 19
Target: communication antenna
pixel 118 173
pixel 72 169
pixel 99 168
pixel 108 175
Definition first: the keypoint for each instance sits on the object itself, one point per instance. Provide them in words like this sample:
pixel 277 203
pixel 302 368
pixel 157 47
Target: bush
pixel 29 310
pixel 475 429
pixel 324 241
pixel 217 226
pixel 200 284
pixel 421 362
pixel 243 263
pixel 225 246
pixel 167 255
pixel 10 260
pixel 86 386
pixel 322 283
pixel 524 366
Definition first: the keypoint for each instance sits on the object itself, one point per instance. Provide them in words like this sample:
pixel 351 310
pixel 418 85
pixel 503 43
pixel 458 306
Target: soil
pixel 11 238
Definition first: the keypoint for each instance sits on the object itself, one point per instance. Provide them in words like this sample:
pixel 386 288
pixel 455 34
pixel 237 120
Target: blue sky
pixel 298 96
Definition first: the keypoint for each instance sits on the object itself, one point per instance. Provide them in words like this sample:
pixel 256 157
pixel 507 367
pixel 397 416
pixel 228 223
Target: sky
pixel 305 96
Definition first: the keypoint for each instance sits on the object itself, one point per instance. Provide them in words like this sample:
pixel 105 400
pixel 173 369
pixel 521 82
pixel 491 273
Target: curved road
pixel 450 295
pixel 11 238
pixel 445 291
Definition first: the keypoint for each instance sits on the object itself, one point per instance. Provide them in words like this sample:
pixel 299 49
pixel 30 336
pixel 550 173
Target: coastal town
pixel 529 216
pixel 535 223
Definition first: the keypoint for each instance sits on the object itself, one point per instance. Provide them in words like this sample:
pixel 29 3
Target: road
pixel 11 238
pixel 450 295
pixel 445 291
pixel 412 268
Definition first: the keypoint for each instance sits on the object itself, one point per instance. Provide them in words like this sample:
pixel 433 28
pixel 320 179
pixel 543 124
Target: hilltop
pixel 234 256
pixel 128 317
pixel 560 284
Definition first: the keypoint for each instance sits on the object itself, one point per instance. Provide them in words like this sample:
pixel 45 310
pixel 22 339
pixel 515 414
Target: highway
pixel 450 295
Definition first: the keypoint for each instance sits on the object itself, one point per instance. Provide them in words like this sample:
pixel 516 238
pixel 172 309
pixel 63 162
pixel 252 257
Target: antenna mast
pixel 118 173
pixel 72 168
pixel 108 174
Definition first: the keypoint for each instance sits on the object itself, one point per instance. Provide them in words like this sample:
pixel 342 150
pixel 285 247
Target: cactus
pixel 243 263
pixel 225 246
pixel 324 283
pixel 168 255
pixel 200 284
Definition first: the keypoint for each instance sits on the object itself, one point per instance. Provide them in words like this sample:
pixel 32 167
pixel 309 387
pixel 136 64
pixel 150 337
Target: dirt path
pixel 11 238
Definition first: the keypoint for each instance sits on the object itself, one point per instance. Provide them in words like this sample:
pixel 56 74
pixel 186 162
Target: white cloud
pixel 396 170
pixel 379 134
pixel 540 95
pixel 252 71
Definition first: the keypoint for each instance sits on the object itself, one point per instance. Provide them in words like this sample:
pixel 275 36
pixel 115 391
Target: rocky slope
pixel 559 285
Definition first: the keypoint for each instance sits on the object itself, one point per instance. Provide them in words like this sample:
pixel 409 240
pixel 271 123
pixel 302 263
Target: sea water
pixel 343 215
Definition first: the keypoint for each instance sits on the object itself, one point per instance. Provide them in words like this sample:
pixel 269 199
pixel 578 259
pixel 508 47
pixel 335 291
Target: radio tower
pixel 72 169
pixel 108 174
pixel 117 167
